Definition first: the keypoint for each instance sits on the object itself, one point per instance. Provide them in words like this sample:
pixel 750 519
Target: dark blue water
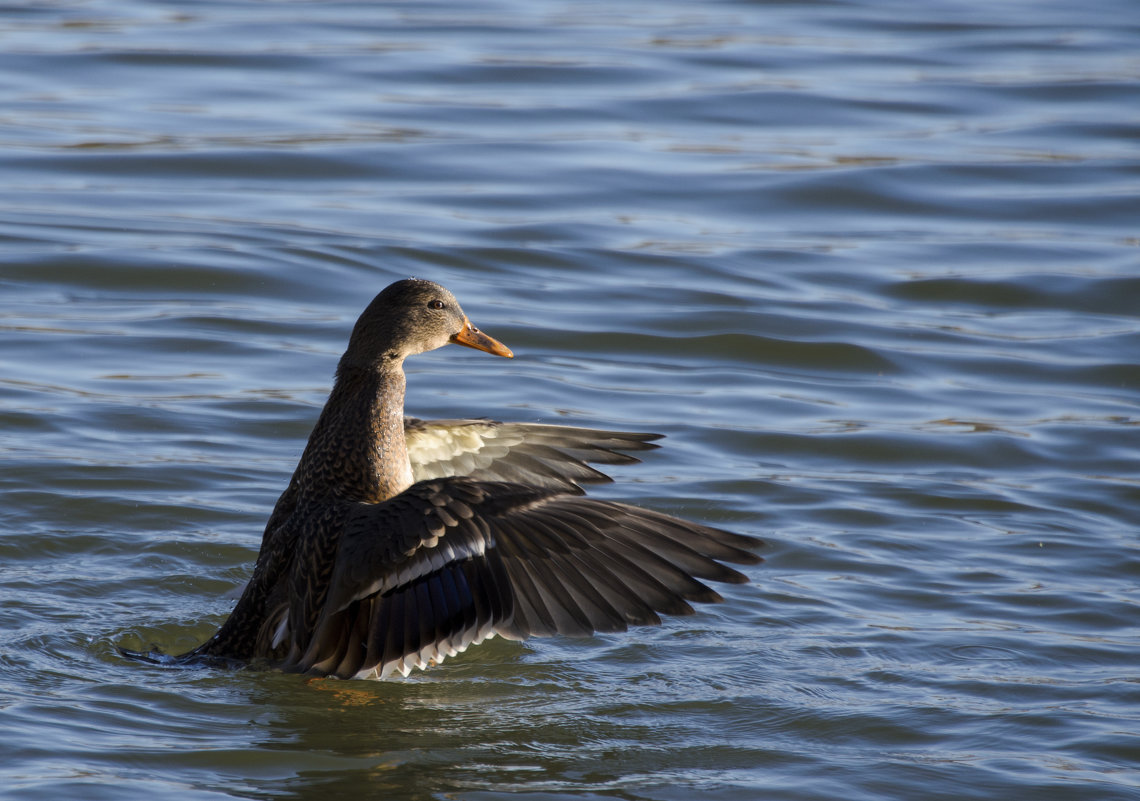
pixel 873 268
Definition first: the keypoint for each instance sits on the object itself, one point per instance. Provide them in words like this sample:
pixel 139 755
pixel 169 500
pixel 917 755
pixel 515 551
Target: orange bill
pixel 472 337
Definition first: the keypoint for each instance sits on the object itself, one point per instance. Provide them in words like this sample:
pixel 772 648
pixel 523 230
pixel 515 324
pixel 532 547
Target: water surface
pixel 872 267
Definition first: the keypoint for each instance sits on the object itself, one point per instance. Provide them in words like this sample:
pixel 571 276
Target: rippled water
pixel 873 267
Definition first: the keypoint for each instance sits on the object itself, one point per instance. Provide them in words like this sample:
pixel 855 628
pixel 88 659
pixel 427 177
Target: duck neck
pixel 357 450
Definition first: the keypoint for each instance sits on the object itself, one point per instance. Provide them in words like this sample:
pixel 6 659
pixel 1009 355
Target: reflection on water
pixel 873 272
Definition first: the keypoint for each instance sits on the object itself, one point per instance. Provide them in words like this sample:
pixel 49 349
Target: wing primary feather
pixel 600 613
pixel 631 607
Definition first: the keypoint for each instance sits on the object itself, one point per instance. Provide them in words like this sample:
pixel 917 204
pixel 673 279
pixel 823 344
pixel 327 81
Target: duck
pixel 399 542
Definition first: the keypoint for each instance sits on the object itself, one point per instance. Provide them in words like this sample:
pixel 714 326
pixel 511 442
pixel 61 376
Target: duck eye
pixel 436 304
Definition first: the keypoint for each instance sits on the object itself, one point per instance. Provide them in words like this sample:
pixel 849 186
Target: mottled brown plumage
pixel 399 542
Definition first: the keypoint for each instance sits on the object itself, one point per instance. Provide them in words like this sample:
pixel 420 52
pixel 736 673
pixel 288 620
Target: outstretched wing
pixel 450 562
pixel 524 453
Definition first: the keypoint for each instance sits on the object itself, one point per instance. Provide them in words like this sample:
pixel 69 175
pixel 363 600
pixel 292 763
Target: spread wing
pixel 450 562
pixel 525 453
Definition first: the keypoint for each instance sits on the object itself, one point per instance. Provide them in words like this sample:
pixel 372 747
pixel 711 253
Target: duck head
pixel 410 317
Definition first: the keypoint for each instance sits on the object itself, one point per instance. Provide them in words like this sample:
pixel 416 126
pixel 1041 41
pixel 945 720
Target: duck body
pixel 399 542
